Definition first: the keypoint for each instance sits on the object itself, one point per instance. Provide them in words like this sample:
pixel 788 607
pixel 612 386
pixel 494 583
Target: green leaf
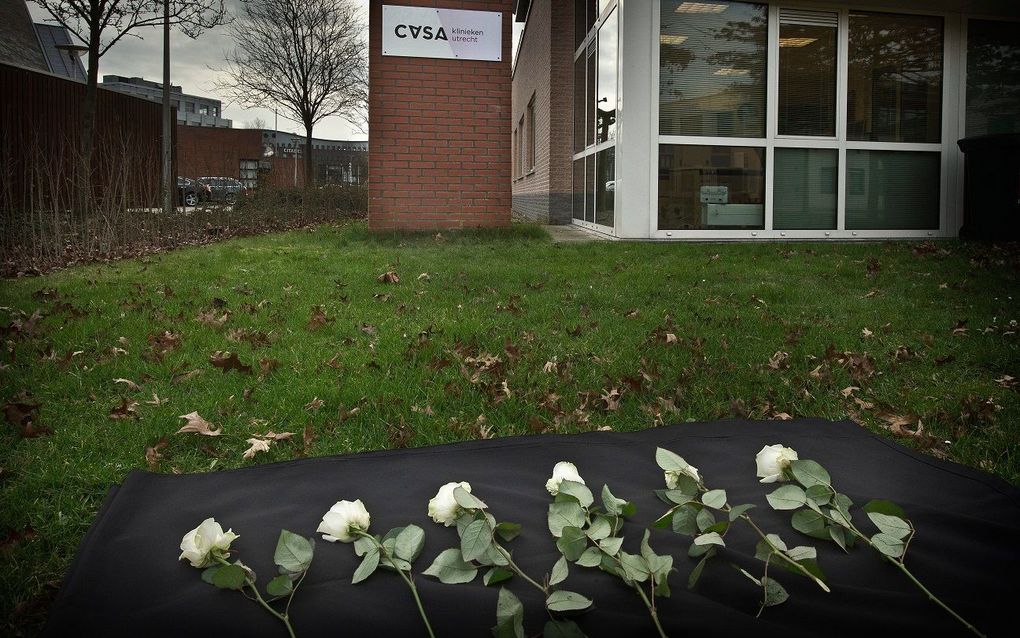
pixel 802 552
pixel 572 543
pixel 809 473
pixel 692 580
pixel 229 577
pixel 611 545
pixel 293 552
pixel 839 518
pixel 367 567
pixel 687 489
pixel 280 586
pixel 739 510
pixel 809 522
pixel 493 557
pixel 600 528
pixel 509 616
pixel 719 527
pixel 891 525
pixel 466 500
pixel 685 521
pixel 508 531
pixel 566 601
pixel 705 519
pixel 450 568
pixel 496 575
pixel 843 503
pixel 578 491
pixel 696 551
pixel 636 567
pixel 819 494
pixel 591 557
pixel 665 521
pixel 563 514
pixel 774 593
pixel 363 545
pixel 841 536
pixel 475 540
pixel 787 497
pixel 409 543
pixel 711 538
pixel 888 544
pixel 559 571
pixel 616 506
pixel 393 563
pixel 885 507
pixel 562 629
pixel 714 498
pixel 669 461
pixel 210 573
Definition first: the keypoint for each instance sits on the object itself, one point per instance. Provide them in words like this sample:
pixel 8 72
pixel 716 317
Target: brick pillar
pixel 439 130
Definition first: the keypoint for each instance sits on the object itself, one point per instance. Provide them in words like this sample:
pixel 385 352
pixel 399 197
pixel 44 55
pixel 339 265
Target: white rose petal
pixel 207 542
pixel 773 462
pixel 342 521
pixel 672 476
pixel 443 507
pixel 564 470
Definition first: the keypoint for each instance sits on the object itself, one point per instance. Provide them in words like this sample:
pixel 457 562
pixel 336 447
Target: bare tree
pixel 308 56
pixel 257 123
pixel 100 24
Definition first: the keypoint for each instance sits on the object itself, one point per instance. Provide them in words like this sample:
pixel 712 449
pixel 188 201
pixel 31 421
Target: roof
pixel 61 62
pixel 19 44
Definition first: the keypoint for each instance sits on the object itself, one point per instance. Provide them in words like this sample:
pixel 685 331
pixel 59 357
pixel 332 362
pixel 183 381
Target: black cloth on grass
pixel 126 579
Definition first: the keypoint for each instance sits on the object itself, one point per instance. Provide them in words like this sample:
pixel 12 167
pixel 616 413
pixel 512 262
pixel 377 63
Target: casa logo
pixel 416 32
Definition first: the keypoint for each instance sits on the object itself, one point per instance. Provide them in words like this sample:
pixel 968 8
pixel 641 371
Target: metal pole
pixel 168 186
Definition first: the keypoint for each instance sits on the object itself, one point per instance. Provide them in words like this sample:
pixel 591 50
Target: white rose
pixel 672 476
pixel 773 461
pixel 564 470
pixel 443 508
pixel 207 542
pixel 342 520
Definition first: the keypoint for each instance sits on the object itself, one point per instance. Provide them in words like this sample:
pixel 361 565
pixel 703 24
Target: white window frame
pixel 950 195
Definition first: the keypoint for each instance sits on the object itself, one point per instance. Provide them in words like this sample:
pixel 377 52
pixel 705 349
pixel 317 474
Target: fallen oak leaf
pixel 198 425
pixel 273 436
pixel 388 277
pixel 268 365
pixel 184 376
pixel 318 319
pixel 210 319
pixel 156 400
pixel 126 410
pixel 22 415
pixel 228 361
pixel 134 387
pixel 257 445
pixel 152 453
pixel 314 404
pixel 846 392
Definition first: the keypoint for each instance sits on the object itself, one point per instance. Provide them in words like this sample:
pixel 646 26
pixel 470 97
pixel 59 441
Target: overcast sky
pixel 191 67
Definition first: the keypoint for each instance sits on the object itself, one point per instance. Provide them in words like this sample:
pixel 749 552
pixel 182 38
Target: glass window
pixel 894 87
pixel 807 79
pixel 589 188
pixel 579 84
pixel 517 156
pixel 605 106
pixel 578 203
pixel 993 77
pixel 585 15
pixel 805 189
pixel 589 97
pixel 531 135
pixel 712 68
pixel 605 186
pixel 892 190
pixel 711 187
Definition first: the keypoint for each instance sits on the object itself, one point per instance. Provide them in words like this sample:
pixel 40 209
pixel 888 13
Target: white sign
pixel 420 32
pixel 715 195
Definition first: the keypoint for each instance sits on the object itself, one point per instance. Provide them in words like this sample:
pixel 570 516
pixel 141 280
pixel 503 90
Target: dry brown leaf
pixel 23 415
pixel 267 365
pixel 131 385
pixel 1006 381
pixel 198 425
pixel 864 405
pixel 865 333
pixel 273 436
pixel 126 410
pixel 318 319
pixel 424 277
pixel 314 404
pixel 389 277
pixel 156 400
pixel 210 318
pixel 779 360
pixel 846 392
pixel 550 366
pixel 227 361
pixel 631 314
pixel 153 453
pixel 257 445
pixel 184 376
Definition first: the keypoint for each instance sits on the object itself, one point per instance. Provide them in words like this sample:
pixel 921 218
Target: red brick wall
pixel 439 130
pixel 215 152
pixel 544 70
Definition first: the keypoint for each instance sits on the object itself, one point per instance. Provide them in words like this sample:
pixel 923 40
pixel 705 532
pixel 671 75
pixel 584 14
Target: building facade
pixel 765 120
pixel 192 110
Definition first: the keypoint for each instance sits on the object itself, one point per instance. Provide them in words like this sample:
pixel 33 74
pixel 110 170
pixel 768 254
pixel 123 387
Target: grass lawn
pixel 484 335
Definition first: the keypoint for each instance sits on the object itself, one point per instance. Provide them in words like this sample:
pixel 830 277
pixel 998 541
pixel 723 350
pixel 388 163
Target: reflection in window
pixel 712 65
pixel 805 189
pixel 807 79
pixel 605 106
pixel 589 100
pixel 589 188
pixel 895 78
pixel 578 194
pixel 605 186
pixel 993 77
pixel 892 190
pixel 585 14
pixel 579 84
pixel 711 187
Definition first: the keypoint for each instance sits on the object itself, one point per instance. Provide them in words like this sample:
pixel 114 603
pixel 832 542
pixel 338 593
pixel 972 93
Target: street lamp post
pixel 167 124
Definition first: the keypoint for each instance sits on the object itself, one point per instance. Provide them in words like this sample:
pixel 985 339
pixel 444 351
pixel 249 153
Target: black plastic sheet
pixel 126 579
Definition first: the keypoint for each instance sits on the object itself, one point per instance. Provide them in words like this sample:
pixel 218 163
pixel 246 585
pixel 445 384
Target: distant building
pixel 39 47
pixel 192 110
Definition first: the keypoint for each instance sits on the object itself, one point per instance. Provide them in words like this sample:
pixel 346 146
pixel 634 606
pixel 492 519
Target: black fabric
pixel 126 579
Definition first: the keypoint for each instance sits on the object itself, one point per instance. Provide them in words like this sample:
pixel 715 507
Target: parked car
pixel 191 192
pixel 223 189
